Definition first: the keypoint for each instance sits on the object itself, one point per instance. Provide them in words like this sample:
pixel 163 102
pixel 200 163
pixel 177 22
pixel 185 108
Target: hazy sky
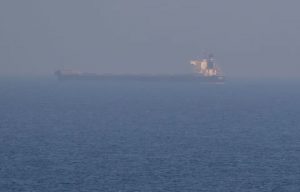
pixel 248 37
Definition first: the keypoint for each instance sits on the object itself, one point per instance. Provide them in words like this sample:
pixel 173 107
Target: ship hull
pixel 104 77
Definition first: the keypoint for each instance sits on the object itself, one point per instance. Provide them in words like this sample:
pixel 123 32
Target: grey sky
pixel 257 37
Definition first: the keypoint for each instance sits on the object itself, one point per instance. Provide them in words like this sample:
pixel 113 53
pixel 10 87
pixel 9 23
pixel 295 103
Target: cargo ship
pixel 206 71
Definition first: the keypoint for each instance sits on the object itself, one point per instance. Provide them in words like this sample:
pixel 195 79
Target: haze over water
pixel 249 38
pixel 125 136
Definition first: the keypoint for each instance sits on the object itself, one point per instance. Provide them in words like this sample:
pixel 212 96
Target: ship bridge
pixel 206 67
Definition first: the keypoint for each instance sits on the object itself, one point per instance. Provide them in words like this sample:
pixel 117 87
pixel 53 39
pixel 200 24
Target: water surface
pixel 149 136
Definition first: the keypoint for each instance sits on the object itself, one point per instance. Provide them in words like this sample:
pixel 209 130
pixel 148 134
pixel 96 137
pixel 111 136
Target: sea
pixel 130 136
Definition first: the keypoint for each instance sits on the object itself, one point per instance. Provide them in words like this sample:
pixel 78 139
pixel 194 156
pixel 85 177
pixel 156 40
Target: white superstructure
pixel 207 67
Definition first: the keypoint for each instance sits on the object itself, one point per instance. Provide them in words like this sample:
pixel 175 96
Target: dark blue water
pixel 149 136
